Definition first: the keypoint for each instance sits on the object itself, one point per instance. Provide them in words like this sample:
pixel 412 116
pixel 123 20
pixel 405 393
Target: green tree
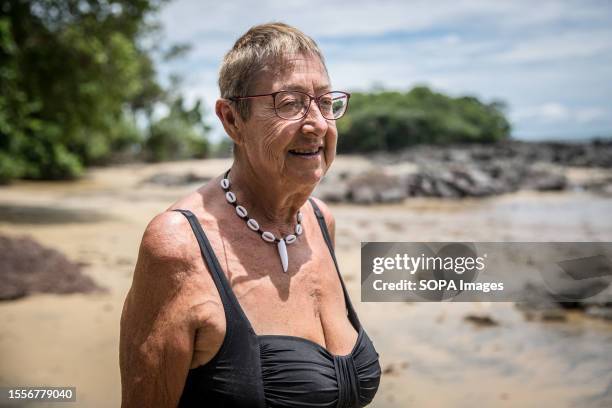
pixel 72 75
pixel 388 120
pixel 179 135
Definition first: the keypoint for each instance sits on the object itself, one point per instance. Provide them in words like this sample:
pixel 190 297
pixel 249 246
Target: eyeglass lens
pixel 294 105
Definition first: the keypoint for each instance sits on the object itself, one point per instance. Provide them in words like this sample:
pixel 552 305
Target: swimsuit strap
pixel 323 225
pixel 223 286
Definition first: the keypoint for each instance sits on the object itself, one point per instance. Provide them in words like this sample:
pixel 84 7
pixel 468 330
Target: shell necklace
pixel 281 243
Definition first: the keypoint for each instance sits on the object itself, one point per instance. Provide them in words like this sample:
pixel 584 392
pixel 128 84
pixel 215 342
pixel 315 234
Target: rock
pixel 375 187
pixel 26 267
pixel 333 189
pixel 601 298
pixel 362 195
pixel 445 189
pixel 481 320
pixel 550 182
pixel 599 312
pixel 544 177
pixel 602 186
pixel 394 369
pixel 545 315
pixel 552 315
pixel 392 195
pixel 537 304
pixel 468 170
pixel 471 181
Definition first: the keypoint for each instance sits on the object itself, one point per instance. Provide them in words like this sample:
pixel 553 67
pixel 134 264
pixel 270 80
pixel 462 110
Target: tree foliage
pixel 386 120
pixel 163 144
pixel 73 76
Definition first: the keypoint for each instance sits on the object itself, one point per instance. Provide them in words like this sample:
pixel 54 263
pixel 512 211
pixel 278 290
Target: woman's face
pixel 269 142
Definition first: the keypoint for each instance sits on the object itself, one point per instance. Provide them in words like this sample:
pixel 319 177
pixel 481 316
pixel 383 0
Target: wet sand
pixel 431 356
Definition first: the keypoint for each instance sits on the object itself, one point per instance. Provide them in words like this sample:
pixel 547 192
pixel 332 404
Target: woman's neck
pixel 271 202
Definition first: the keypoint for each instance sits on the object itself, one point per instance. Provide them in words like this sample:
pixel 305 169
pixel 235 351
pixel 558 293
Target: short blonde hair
pixel 261 47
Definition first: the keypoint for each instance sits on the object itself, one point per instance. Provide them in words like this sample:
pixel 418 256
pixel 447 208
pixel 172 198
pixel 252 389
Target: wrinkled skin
pixel 271 182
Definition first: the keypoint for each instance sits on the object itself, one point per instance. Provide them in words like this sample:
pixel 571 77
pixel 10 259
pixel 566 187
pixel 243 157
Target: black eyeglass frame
pixel 315 98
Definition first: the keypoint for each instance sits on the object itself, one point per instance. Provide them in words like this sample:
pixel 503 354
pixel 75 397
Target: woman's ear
pixel 231 120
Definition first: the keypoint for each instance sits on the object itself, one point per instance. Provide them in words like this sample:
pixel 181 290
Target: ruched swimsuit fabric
pixel 270 371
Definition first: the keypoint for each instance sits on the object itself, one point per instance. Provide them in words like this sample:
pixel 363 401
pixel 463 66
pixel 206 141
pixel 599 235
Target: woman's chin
pixel 306 170
pixel 306 177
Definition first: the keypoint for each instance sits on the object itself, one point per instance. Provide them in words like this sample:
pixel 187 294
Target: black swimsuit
pixel 251 370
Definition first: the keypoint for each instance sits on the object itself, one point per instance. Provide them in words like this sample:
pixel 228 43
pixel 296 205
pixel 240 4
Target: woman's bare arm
pixel 157 323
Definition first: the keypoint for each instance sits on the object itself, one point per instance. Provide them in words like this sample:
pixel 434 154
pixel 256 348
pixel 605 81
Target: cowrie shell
pixel 230 197
pixel 225 183
pixel 268 236
pixel 290 239
pixel 253 224
pixel 241 211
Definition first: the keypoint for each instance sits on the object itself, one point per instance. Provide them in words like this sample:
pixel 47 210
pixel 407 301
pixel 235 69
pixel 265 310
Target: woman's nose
pixel 314 122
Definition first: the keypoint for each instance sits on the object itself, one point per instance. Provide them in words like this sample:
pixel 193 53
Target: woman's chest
pixel 308 303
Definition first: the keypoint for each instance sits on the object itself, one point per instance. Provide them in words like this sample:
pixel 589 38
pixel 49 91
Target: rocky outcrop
pixel 466 171
pixel 26 267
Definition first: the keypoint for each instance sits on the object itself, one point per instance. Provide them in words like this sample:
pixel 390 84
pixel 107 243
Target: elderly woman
pixel 236 299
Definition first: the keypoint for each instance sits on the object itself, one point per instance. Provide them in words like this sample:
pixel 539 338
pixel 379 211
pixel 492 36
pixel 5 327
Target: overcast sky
pixel 551 61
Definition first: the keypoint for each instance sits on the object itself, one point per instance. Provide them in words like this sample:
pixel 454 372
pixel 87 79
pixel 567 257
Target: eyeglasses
pixel 295 105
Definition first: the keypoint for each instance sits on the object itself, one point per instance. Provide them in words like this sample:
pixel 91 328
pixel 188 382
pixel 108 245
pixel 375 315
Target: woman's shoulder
pixel 169 237
pixel 166 249
pixel 170 260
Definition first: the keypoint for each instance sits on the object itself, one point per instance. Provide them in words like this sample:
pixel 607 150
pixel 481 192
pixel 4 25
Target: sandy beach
pixel 431 356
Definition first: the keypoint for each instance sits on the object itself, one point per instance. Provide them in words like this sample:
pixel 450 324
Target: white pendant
pixel 253 224
pixel 298 229
pixel 268 236
pixel 282 252
pixel 290 239
pixel 230 197
pixel 225 183
pixel 241 211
